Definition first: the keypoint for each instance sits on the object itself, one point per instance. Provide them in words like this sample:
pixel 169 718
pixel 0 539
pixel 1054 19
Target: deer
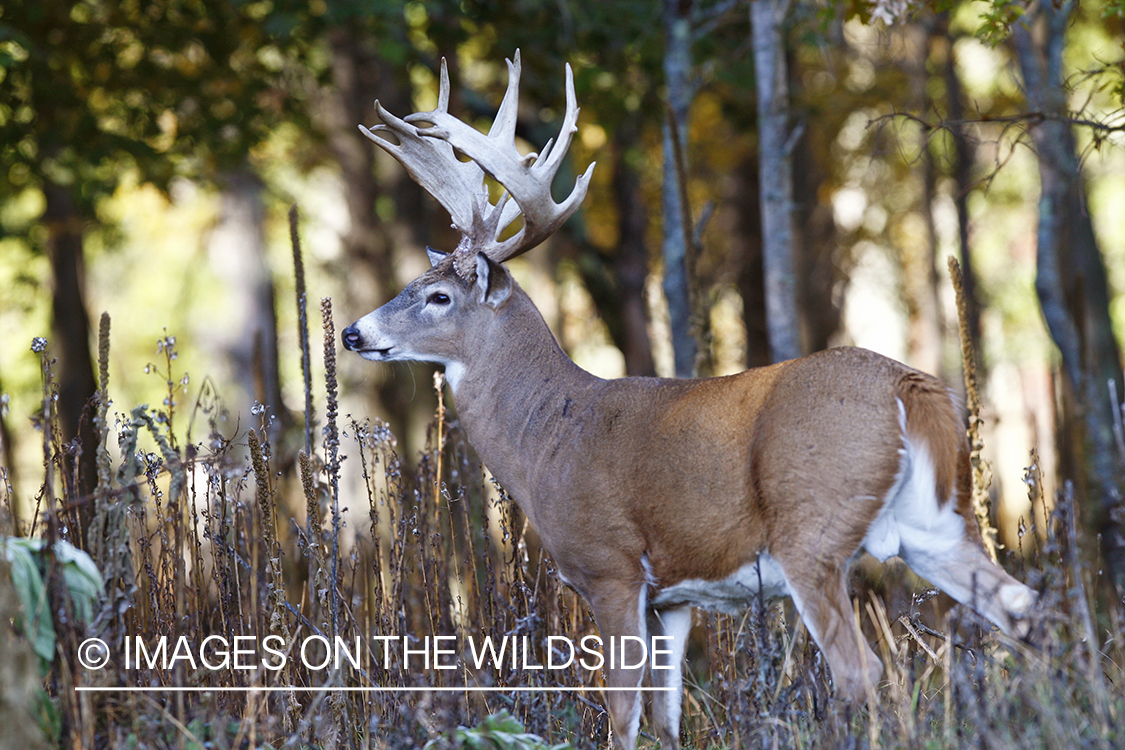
pixel 654 496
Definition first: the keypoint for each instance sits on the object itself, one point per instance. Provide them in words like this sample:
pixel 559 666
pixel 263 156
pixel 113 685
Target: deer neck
pixel 514 391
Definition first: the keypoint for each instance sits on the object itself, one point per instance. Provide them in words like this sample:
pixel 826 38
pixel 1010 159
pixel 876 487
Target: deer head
pixel 439 316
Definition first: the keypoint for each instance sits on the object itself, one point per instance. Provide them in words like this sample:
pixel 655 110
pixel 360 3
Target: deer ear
pixel 493 281
pixel 436 256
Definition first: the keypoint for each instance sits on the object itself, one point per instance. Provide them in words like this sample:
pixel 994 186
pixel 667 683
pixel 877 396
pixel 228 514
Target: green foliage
pixel 81 580
pixel 93 89
pixel 997 19
pixel 500 731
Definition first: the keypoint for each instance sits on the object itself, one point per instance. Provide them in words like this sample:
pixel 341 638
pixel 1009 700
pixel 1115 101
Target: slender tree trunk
pixel 919 268
pixel 921 282
pixel 238 252
pixel 748 230
pixel 767 19
pixel 816 259
pixel 1071 283
pixel 676 248
pixel 631 266
pixel 74 372
pixel 964 159
pixel 359 77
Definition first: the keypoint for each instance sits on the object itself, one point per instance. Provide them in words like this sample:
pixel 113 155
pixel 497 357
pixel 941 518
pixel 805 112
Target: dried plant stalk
pixel 276 595
pixel 982 472
pixel 332 448
pixel 302 324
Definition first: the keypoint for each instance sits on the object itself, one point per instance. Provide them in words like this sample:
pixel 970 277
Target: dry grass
pixel 229 538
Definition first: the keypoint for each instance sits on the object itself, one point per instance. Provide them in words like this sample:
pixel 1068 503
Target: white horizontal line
pixel 343 689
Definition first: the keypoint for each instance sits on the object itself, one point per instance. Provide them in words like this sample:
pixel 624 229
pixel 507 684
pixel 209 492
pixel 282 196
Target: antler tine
pixel 549 216
pixel 566 132
pixel 504 124
pixel 443 87
pixel 526 178
pixel 429 156
pixel 432 163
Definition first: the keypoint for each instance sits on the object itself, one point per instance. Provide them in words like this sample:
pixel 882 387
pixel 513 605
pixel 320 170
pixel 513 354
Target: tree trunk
pixel 631 266
pixel 676 248
pixel 748 234
pixel 964 158
pixel 74 372
pixel 920 277
pixel 615 279
pixel 237 248
pixel 776 177
pixel 1071 282
pixel 359 77
pixel 819 268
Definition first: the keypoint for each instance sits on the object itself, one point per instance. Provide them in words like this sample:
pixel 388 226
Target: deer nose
pixel 352 339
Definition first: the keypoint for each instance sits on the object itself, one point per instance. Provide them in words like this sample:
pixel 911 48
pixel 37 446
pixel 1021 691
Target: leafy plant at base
pixel 81 577
pixel 499 731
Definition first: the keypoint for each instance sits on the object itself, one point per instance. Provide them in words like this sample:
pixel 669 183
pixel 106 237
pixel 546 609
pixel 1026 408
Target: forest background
pixel 151 152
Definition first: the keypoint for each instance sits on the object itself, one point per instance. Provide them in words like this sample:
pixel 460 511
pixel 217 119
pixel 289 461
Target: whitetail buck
pixel 652 495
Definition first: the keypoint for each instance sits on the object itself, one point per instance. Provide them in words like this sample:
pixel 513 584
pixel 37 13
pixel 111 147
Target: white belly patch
pixel 731 594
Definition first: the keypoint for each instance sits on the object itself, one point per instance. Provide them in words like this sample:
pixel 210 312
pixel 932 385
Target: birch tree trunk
pixel 1071 282
pixel 677 267
pixel 767 18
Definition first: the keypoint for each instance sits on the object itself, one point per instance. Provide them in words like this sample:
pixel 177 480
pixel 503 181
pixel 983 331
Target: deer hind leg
pixel 962 569
pixel 943 545
pixel 667 670
pixel 821 596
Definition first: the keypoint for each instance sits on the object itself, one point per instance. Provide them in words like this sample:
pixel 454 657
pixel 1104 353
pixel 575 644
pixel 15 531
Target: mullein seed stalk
pixel 302 323
pixel 982 472
pixel 332 450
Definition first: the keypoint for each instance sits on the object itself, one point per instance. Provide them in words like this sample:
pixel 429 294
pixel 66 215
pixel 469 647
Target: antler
pixel 428 155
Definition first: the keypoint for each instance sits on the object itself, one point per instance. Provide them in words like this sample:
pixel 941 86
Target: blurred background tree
pixel 97 93
pixel 1072 281
pixel 158 145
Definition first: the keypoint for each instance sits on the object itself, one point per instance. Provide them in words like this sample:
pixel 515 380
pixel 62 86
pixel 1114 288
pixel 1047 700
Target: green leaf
pixel 80 575
pixel 500 731
pixel 22 555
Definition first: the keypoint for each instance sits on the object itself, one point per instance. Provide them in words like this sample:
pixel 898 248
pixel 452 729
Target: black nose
pixel 352 339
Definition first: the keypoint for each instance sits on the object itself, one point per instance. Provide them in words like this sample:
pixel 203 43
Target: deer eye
pixel 437 298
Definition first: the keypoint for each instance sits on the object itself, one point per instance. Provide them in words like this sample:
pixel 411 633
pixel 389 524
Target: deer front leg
pixel 668 632
pixel 620 612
